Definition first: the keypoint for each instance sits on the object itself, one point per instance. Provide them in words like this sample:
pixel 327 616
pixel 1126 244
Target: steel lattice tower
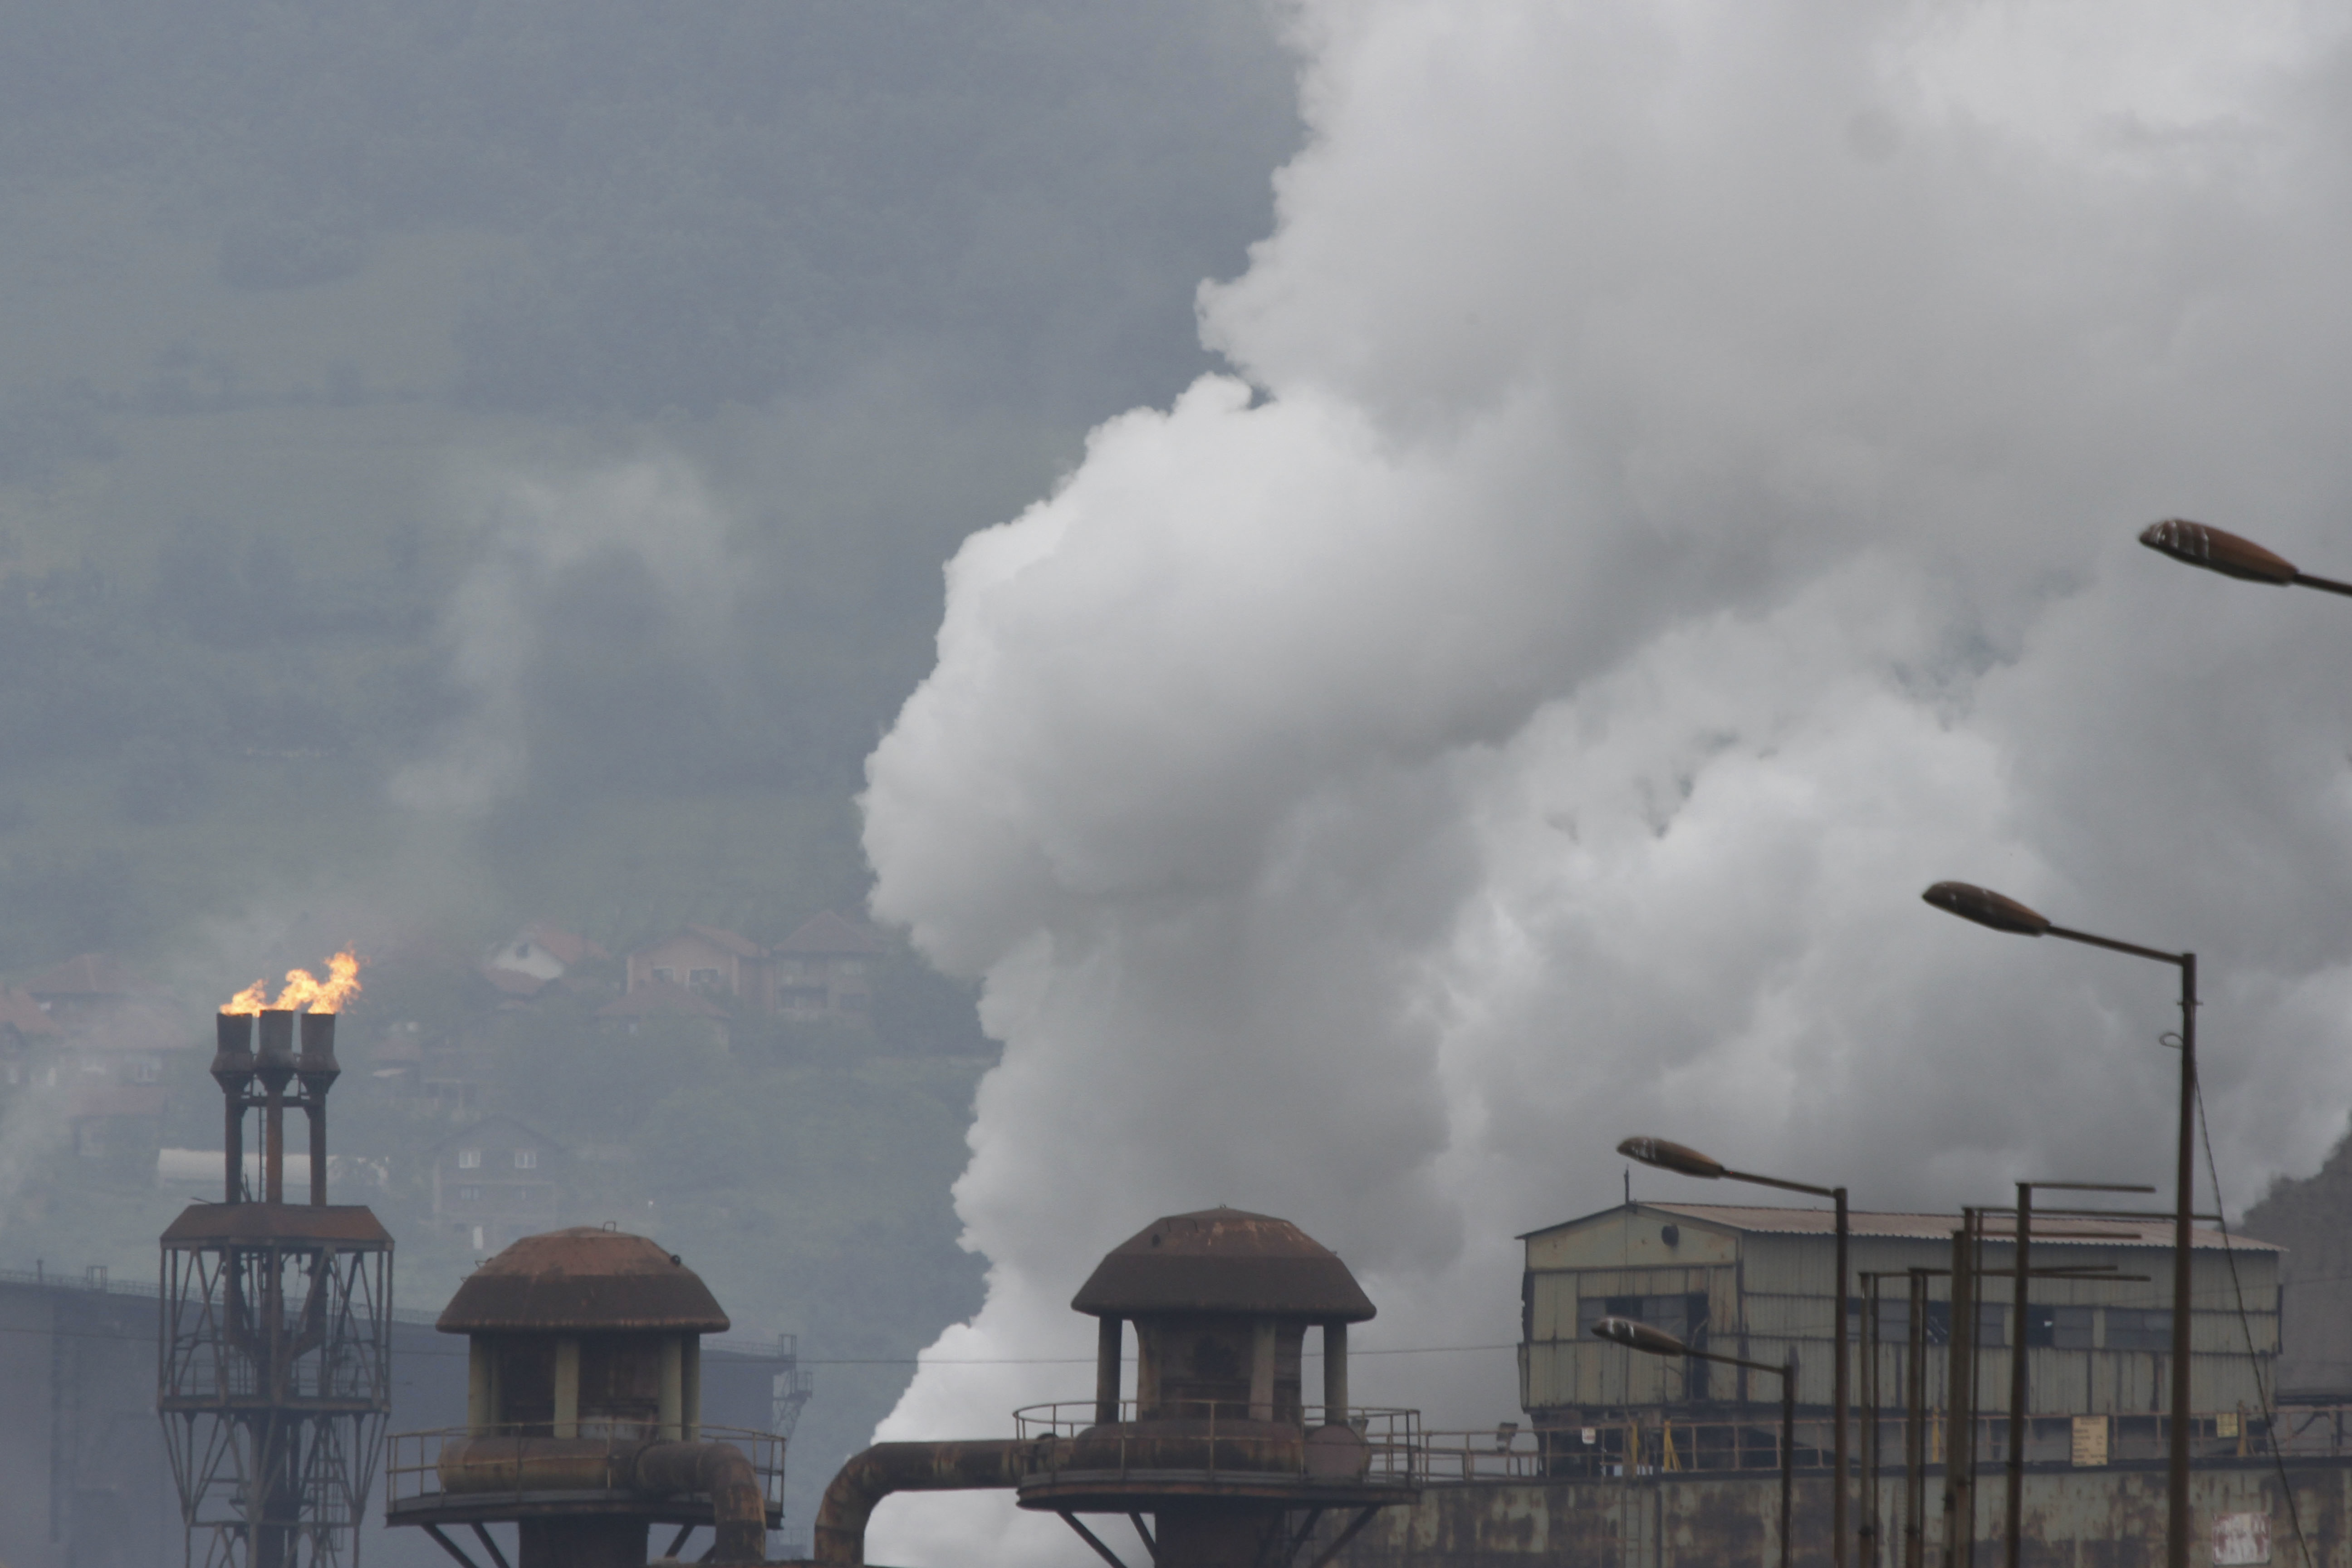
pixel 276 1341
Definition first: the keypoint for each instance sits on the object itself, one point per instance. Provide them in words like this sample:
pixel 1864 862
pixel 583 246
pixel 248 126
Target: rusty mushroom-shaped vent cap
pixel 1223 1260
pixel 582 1281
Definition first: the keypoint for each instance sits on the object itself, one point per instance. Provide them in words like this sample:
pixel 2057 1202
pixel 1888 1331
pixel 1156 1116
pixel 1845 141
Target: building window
pixel 702 977
pixel 2133 1328
pixel 470 1159
pixel 526 1159
pixel 469 1194
pixel 666 975
pixel 2058 1328
pixel 1895 1323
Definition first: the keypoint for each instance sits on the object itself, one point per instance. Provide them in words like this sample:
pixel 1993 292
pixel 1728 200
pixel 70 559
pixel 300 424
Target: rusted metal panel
pixel 582 1279
pixel 1223 1260
pixel 346 1224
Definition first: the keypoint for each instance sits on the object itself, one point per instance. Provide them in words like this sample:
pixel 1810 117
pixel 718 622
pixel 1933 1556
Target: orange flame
pixel 305 992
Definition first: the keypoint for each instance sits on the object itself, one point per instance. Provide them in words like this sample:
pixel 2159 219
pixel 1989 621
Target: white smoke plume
pixel 533 525
pixel 1676 500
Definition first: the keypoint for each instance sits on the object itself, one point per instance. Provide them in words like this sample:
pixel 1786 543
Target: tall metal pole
pixel 2176 1551
pixel 1914 1429
pixel 2017 1418
pixel 1959 1366
pixel 1987 908
pixel 1840 1389
pixel 1871 1537
pixel 1787 1450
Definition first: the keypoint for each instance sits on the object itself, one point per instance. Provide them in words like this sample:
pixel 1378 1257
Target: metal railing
pixel 1207 1436
pixel 413 1460
pixel 1664 1447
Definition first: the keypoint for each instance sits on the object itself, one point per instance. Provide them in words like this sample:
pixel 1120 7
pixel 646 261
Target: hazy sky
pixel 1673 499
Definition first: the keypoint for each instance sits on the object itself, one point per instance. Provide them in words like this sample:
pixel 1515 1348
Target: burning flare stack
pixel 275 1359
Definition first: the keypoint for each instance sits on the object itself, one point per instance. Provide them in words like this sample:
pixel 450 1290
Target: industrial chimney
pixel 275 1368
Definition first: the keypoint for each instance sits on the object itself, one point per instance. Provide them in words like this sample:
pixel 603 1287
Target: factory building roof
pixel 2049 1229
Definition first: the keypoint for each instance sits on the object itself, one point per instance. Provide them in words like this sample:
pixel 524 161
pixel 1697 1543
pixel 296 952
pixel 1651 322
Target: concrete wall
pixel 2110 1518
pixel 89 1482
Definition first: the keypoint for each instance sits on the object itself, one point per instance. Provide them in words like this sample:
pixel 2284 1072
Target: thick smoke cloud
pixel 1674 500
pixel 540 532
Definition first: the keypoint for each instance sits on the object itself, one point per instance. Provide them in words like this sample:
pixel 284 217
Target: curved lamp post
pixel 2217 551
pixel 1987 908
pixel 1685 1161
pixel 1642 1337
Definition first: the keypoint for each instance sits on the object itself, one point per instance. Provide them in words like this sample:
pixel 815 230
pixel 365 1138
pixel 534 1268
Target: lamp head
pixel 1640 1337
pixel 1986 907
pixel 2197 545
pixel 1679 1158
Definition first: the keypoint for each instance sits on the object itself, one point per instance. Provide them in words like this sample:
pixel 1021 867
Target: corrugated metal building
pixel 1757 1282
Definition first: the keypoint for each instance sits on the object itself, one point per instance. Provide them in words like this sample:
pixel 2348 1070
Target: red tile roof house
pixel 826 969
pixel 708 959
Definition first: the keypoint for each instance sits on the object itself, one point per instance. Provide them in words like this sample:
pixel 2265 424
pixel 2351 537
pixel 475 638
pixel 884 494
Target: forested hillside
pixel 462 465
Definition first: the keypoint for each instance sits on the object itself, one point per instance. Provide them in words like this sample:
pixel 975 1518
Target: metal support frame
pixel 275 1380
pixel 274 1363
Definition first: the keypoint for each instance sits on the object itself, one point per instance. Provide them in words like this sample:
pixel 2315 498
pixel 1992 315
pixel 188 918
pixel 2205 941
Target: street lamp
pixel 1636 1336
pixel 1685 1161
pixel 2216 550
pixel 1987 908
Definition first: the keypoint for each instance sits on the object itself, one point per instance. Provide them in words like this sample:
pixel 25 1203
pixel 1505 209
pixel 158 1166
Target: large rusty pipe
pixel 888 1467
pixel 739 1513
pixel 528 1464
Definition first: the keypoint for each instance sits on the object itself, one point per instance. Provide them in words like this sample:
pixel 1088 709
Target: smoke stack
pixel 233 1066
pixel 318 1069
pixel 275 1068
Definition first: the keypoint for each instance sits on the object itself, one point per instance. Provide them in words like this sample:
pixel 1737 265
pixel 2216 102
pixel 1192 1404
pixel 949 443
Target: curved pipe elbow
pixel 888 1467
pixel 739 1511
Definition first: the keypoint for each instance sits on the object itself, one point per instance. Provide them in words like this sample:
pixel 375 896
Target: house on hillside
pixel 86 988
pixel 709 961
pixel 826 969
pixel 500 1180
pixel 537 954
pixel 24 1032
pixel 106 1118
pixel 663 999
